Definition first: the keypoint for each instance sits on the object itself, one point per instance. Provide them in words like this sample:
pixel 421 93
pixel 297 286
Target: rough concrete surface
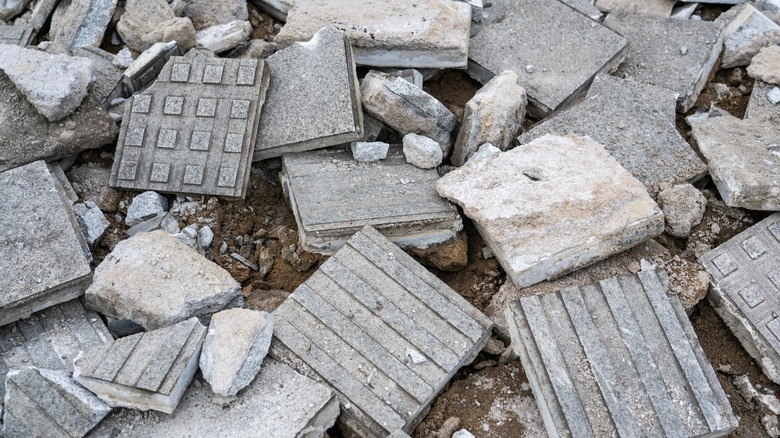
pixel 745 35
pixel 145 22
pixel 207 13
pixel 223 37
pixel 683 206
pixel 762 105
pixel 80 23
pixel 422 151
pixel 766 65
pixel 92 222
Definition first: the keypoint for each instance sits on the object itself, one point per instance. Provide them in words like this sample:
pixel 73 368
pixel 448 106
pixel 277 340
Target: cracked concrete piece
pixel 770 8
pixel 145 206
pixel 207 13
pixel 236 344
pixel 144 371
pixel 639 366
pixel 407 109
pixel 155 280
pixel 80 23
pixel 552 206
pixel 674 54
pixel 744 160
pixel 766 65
pixel 55 84
pixel 635 122
pixel 332 196
pixel 41 402
pixel 145 22
pixel 658 8
pixel 745 35
pixel 401 33
pixel 395 305
pixel 422 151
pixel 494 115
pixel 564 62
pixel 683 206
pixel 106 74
pixel 193 131
pixel 143 71
pixel 92 222
pixel 43 257
pixel 760 105
pixel 368 152
pixel 223 37
pixel 18 35
pixel 307 77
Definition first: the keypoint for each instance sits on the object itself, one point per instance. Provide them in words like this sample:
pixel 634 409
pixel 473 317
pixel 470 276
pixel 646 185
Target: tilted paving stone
pixel 618 358
pixel 16 35
pixel 760 105
pixel 745 290
pixel 193 130
pixel 361 323
pixel 144 371
pixel 333 196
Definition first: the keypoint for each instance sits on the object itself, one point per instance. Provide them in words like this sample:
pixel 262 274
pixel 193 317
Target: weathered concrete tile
pixel 402 33
pixel 194 129
pixel 80 23
pixel 306 78
pixel 145 22
pixel 745 290
pixel 744 160
pixel 674 54
pixel 642 368
pixel 92 222
pixel 41 402
pixel 144 371
pixel 554 67
pixel 397 309
pixel 143 71
pixel 223 37
pixel 44 257
pixel 658 8
pixel 747 32
pixel 333 196
pixel 16 35
pixel 635 122
pixel 552 206
pixel 766 65
pixel 763 105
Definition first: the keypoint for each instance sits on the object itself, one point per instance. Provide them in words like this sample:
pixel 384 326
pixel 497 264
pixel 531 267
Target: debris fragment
pixel 683 206
pixel 92 222
pixel 145 206
pixel 766 65
pixel 145 22
pixel 16 35
pixel 207 13
pixel 142 71
pixel 746 34
pixel 368 152
pixel 422 151
pixel 223 37
pixel 80 23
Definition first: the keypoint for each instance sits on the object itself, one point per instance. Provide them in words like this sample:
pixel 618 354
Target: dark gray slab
pixel 17 35
pixel 333 196
pixel 359 320
pixel 618 357
pixel 746 290
pixel 193 130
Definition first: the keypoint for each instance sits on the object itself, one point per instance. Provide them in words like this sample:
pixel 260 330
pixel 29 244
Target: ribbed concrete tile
pixel 618 358
pixel 746 290
pixel 144 371
pixel 359 320
pixel 16 35
pixel 333 196
pixel 193 130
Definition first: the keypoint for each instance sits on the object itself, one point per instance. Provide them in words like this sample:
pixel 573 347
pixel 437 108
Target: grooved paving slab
pixel 380 329
pixel 333 196
pixel 16 35
pixel 193 130
pixel 746 290
pixel 618 358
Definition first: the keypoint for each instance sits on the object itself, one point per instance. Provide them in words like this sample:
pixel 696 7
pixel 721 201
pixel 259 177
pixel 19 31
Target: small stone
pixel 683 50
pixel 487 253
pixel 683 206
pixel 223 37
pixel 145 206
pixel 766 65
pixel 415 356
pixel 449 427
pixel 494 347
pixel 421 151
pixel 123 58
pixel 774 96
pixel 207 13
pixel 530 68
pixel 205 236
pixel 92 221
pixel 368 152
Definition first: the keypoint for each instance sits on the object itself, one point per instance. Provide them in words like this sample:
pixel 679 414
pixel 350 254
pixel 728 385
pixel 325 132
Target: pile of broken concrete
pixel 568 155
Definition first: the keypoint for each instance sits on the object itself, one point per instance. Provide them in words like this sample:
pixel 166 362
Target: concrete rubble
pixel 16 35
pixel 105 72
pixel 10 8
pixel 683 206
pixel 659 8
pixel 368 152
pixel 422 151
pixel 80 23
pixel 92 222
pixel 145 22
pixel 764 102
pixel 142 71
pixel 223 37
pixel 766 65
pixel 745 35
pixel 145 206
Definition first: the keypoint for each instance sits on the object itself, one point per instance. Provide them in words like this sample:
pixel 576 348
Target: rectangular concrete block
pixel 16 35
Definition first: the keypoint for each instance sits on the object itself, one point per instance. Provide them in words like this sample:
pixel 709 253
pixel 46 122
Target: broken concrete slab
pixel 658 8
pixel 396 306
pixel 635 122
pixel 30 282
pixel 145 206
pixel 400 200
pixel 745 290
pixel 235 346
pixel 422 151
pixel 745 35
pixel 92 222
pixel 155 280
pixel 80 23
pixel 683 206
pixel 223 37
pixel 142 71
pixel 562 64
pixel 494 115
pixel 552 206
pixel 674 54
pixel 764 103
pixel 407 109
pixel 105 72
pixel 766 65
pixel 402 33
pixel 368 152
pixel 743 158
pixel 145 22
pixel 144 371
pixel 16 35
pixel 207 13
pixel 41 402
pixel 585 6
pixel 193 131
pixel 643 370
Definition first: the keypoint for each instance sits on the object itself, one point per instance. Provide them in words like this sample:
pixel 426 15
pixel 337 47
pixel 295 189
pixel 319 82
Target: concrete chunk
pixel 683 206
pixel 92 222
pixel 306 78
pixel 16 35
pixel 743 157
pixel 223 37
pixel 745 290
pixel 80 23
pixel 394 305
pixel 368 152
pixel 518 200
pixel 105 72
pixel 145 22
pixel 207 13
pixel 748 32
pixel 766 65
pixel 658 8
pixel 764 103
pixel 642 370
pixel 145 206
pixel 11 8
pixel 421 151
pixel 144 371
pixel 142 71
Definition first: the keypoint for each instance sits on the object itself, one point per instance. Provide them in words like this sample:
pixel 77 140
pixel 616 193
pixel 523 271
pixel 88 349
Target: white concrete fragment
pixel 422 151
pixel 766 65
pixel 92 222
pixel 747 33
pixel 205 237
pixel 774 96
pixel 485 151
pixel 368 152
pixel 145 206
pixel 463 433
pixel 223 37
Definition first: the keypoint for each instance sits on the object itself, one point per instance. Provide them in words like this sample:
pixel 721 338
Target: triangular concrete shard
pixel 144 371
pixel 46 403
pixel 553 206
pixel 361 322
pixel 618 358
pixel 307 78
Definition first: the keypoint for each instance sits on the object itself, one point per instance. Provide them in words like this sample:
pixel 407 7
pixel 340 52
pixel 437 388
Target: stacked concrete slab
pixel 385 333
pixel 618 358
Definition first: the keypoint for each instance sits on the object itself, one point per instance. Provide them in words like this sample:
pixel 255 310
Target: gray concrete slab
pixel 639 367
pixel 16 35
pixel 80 23
pixel 746 290
pixel 554 67
pixel 305 78
pixel 333 196
pixel 635 122
pixel 760 105
pixel 674 54
pixel 193 130
pixel 149 370
pixel 354 322
pixel 106 73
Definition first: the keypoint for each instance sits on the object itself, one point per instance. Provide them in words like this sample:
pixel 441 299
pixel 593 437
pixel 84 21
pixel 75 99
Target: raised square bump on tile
pixel 180 73
pixel 142 103
pixel 227 177
pixel 193 174
pixel 160 172
pixel 213 74
pixel 173 105
pixel 207 107
pixel 166 139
